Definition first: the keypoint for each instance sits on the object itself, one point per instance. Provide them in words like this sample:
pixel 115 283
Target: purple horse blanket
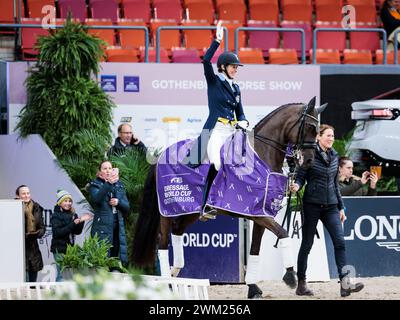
pixel 244 185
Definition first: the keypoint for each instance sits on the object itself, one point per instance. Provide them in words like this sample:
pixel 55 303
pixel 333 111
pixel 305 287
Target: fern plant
pixel 93 255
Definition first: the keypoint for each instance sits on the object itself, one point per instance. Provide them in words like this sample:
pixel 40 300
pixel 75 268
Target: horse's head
pixel 303 132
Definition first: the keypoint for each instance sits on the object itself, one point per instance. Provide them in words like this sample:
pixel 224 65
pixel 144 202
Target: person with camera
pixel 34 230
pixel 225 111
pixel 126 140
pixel 65 224
pixel 322 201
pixel 110 205
pixel 351 185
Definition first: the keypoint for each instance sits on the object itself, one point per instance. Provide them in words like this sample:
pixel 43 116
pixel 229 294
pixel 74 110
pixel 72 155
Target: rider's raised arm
pixel 208 69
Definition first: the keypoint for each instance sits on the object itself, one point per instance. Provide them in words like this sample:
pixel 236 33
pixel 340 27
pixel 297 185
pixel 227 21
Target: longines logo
pixel 367 228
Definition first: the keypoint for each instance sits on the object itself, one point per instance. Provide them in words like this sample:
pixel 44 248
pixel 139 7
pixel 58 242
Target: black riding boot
pixel 346 287
pixel 302 289
pixel 211 213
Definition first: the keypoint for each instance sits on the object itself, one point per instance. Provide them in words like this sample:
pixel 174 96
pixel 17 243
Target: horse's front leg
pixel 284 246
pixel 163 258
pixel 178 227
pixel 253 263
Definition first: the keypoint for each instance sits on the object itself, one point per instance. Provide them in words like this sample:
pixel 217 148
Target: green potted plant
pixel 88 259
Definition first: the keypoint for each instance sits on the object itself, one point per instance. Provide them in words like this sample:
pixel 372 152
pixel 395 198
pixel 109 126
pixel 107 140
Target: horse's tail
pixel 147 226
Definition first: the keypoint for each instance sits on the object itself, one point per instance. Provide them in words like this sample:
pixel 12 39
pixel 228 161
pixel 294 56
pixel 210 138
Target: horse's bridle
pixel 301 143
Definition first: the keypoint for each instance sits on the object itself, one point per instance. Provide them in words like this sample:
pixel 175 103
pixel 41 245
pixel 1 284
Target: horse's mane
pixel 275 111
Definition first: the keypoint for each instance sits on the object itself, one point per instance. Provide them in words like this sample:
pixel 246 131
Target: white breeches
pixel 217 139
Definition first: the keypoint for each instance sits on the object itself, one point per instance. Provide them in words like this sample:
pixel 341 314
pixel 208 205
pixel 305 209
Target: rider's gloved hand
pixel 243 124
pixel 220 32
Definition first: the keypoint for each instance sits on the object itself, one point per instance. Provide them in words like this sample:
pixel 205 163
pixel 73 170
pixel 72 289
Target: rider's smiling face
pixel 231 70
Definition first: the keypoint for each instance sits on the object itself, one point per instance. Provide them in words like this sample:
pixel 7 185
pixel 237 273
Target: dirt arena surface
pixel 377 288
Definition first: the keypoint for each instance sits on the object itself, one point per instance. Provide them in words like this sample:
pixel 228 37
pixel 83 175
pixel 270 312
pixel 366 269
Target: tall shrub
pixel 65 103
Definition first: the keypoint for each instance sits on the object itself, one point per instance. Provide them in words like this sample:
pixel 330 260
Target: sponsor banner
pixel 166 103
pixel 212 250
pixel 372 236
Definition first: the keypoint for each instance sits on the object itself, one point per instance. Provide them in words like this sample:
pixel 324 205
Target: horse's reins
pixel 300 145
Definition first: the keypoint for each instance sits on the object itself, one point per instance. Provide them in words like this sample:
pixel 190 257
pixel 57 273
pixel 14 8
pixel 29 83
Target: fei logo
pixel 131 84
pixel 176 180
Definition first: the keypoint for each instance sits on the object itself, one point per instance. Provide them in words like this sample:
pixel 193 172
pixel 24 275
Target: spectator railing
pixel 396 46
pixel 52 26
pixel 316 30
pixel 303 37
pixel 159 29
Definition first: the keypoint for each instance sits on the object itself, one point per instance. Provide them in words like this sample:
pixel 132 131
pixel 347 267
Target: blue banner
pixel 372 236
pixel 109 83
pixel 212 251
pixel 131 84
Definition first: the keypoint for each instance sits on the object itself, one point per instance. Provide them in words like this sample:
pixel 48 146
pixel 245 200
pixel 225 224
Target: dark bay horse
pixel 295 124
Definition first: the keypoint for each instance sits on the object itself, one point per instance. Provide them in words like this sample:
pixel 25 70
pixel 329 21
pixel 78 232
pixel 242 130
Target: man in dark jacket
pixel 34 230
pixel 126 140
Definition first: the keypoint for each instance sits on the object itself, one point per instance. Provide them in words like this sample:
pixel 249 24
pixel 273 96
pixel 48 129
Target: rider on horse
pixel 226 111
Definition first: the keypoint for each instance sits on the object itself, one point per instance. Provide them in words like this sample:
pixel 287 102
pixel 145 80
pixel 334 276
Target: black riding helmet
pixel 226 58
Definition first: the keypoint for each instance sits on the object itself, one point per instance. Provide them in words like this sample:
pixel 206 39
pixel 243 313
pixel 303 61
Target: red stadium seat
pixel 389 57
pixel 282 56
pixel 104 9
pixel 184 55
pixel 330 10
pixel 292 40
pixel 263 39
pixel 118 54
pixel 251 56
pixel 168 38
pixel 326 56
pixel 297 10
pixel 29 38
pixel 7 11
pixel 232 12
pixel 131 38
pixel 268 11
pixel 76 7
pixel 330 39
pixel 164 10
pixel 35 7
pixel 352 56
pixel 365 40
pixel 200 11
pixel 152 55
pixel 198 39
pixel 106 34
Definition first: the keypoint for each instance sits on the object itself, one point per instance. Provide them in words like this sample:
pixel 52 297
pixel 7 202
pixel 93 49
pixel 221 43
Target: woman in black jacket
pixel 65 225
pixel 34 230
pixel 110 205
pixel 322 201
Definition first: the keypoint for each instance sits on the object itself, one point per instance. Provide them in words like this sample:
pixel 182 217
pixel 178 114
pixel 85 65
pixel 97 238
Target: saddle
pixel 244 185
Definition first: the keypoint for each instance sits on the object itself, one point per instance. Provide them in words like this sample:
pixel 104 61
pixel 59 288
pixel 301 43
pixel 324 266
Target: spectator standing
pixel 110 206
pixel 65 225
pixel 34 230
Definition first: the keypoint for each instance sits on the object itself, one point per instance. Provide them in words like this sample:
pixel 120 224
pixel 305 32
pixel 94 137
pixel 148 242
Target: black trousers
pixel 329 215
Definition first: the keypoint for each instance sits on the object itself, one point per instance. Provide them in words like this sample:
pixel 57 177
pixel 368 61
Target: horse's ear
pixel 321 109
pixel 311 104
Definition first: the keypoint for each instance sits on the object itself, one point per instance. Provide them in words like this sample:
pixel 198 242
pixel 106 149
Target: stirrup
pixel 206 215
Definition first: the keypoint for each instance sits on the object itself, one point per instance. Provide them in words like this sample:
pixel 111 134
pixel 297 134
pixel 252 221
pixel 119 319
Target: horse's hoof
pixel 290 279
pixel 254 292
